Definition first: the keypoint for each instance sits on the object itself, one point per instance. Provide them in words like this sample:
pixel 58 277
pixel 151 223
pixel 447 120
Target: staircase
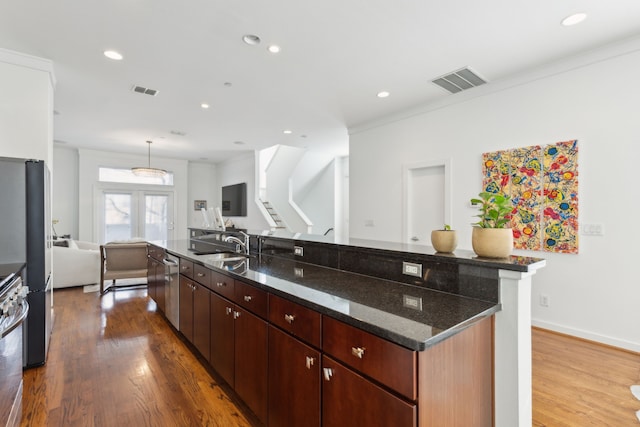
pixel 274 215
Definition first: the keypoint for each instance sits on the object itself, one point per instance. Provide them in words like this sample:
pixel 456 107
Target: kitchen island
pixel 428 357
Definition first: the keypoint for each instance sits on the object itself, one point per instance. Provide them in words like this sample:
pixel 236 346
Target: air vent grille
pixel 459 80
pixel 144 90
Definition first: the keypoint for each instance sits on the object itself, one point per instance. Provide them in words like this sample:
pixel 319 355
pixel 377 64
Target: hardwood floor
pixel 113 361
pixel 578 383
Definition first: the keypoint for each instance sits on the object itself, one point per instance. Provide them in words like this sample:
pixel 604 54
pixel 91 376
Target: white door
pixel 127 214
pixel 426 200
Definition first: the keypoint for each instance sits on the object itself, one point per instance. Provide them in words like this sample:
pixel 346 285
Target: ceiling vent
pixel 144 90
pixel 460 80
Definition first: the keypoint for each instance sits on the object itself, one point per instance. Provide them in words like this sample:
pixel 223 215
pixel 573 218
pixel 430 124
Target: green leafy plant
pixel 446 227
pixel 495 210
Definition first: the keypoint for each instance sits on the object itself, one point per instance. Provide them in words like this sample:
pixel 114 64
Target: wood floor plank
pixel 580 383
pixel 114 361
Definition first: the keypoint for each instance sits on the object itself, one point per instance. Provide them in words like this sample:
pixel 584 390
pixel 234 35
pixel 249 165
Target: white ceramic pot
pixel 492 242
pixel 444 240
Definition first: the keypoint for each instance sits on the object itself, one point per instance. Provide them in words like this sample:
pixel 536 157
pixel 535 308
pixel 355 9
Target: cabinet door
pixel 294 382
pixel 201 320
pixel 349 399
pixel 151 278
pixel 159 285
pixel 186 308
pixel 251 361
pixel 222 339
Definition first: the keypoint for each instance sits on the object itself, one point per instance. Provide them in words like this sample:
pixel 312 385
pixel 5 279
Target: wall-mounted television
pixel 234 200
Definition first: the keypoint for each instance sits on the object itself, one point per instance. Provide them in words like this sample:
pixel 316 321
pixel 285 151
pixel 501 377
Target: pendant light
pixel 148 171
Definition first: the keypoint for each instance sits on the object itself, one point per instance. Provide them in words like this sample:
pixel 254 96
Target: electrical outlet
pixel 298 250
pixel 412 269
pixel 412 302
pixel 544 300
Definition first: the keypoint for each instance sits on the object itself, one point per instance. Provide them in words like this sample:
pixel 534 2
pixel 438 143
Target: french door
pixel 127 214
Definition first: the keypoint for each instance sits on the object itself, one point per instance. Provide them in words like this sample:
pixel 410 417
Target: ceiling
pixel 335 56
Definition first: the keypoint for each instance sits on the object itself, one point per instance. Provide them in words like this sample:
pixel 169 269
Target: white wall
pixel 318 200
pixel 91 160
pixel 26 106
pixel 234 171
pixel 65 190
pixel 202 186
pixel 592 98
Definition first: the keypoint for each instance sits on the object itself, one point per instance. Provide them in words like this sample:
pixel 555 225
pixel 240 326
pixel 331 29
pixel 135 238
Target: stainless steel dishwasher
pixel 172 289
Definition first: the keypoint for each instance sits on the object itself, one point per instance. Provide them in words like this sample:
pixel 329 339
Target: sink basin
pixel 227 256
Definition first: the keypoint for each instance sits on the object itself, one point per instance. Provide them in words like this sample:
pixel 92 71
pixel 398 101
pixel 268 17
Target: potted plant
pixel 444 240
pixel 492 236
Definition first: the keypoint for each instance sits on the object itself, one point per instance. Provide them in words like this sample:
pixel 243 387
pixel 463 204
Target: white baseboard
pixel 615 342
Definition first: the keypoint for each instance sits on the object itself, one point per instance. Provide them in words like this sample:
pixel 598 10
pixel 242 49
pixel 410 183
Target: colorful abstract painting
pixel 543 185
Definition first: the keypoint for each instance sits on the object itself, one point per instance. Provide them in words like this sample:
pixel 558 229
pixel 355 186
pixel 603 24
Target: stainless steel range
pixel 13 311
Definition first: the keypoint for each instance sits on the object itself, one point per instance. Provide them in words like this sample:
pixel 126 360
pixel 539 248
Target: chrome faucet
pixel 241 246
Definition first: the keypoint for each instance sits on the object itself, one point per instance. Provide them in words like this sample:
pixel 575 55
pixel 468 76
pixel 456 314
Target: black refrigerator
pixel 25 236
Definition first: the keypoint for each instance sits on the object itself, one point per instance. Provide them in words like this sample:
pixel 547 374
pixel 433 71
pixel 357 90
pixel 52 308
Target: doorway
pixel 427 200
pixel 127 214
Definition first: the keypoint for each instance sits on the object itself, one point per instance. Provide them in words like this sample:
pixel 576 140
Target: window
pixel 126 176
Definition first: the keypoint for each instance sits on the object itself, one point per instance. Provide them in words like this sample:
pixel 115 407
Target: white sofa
pixel 78 264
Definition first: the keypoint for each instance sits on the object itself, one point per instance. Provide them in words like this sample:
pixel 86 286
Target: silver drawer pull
pixel 289 318
pixel 310 362
pixel 228 310
pixel 357 352
pixel 328 373
pixel 219 284
pixel 236 314
pixel 200 275
pixel 247 298
pixel 184 267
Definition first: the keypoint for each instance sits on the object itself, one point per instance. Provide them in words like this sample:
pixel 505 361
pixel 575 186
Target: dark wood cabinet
pixel 222 337
pixel 251 361
pixel 155 276
pixel 195 315
pixel 349 399
pixel 294 382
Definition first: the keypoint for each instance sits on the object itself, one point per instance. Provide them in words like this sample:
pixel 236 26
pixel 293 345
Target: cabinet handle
pixel 247 298
pixel 220 284
pixel 357 352
pixel 236 314
pixel 289 318
pixel 200 275
pixel 184 267
pixel 228 309
pixel 328 373
pixel 310 362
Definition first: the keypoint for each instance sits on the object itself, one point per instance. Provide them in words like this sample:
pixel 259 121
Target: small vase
pixel 492 242
pixel 444 241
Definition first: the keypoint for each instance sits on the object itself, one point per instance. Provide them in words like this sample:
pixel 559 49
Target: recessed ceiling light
pixel 238 142
pixel 287 132
pixel 574 19
pixel 251 39
pixel 112 54
pixel 383 94
pixel 274 48
pixel 204 105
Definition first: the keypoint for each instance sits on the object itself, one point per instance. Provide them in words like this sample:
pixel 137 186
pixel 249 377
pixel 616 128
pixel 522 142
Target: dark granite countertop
pixel 372 304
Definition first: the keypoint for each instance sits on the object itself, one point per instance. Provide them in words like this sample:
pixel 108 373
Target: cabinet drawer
pixel 202 275
pixel 222 284
pixel 299 321
pixel 186 268
pixel 392 365
pixel 251 298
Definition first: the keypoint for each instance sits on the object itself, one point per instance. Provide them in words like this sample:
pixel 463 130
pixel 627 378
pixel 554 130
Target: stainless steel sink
pixel 227 256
